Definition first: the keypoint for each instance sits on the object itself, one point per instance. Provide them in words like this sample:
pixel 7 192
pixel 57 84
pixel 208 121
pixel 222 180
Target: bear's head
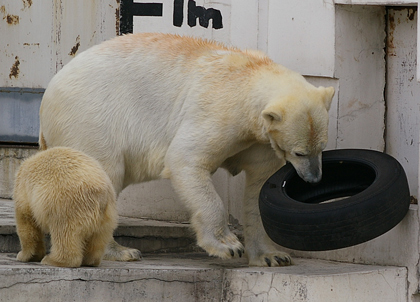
pixel 297 127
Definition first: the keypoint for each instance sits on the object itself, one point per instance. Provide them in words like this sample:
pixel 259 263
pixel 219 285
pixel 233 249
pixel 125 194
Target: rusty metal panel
pixel 39 37
pixel 25 48
pixel 82 24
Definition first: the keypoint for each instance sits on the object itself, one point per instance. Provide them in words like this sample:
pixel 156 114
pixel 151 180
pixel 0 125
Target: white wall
pixel 331 42
pixel 283 29
pixel 360 70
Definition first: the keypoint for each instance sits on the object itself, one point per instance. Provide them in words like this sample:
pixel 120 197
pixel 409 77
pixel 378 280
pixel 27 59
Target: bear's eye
pixel 299 154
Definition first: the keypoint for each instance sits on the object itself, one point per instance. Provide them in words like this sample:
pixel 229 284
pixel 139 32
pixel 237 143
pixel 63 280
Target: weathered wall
pixel 333 45
pixel 360 69
pixel 39 37
pixel 10 160
pixel 403 92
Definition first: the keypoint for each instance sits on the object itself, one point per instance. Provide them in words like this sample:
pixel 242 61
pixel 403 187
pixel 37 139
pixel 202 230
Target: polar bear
pixel 66 193
pixel 150 106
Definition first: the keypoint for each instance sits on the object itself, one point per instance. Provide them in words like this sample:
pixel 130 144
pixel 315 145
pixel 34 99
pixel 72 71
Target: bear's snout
pixel 310 169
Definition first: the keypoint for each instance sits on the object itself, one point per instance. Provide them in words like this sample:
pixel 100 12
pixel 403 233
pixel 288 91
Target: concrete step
pixel 149 236
pixel 179 275
pixel 196 277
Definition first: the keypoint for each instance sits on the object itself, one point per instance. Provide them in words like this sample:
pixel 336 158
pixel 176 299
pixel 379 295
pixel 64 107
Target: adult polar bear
pixel 150 106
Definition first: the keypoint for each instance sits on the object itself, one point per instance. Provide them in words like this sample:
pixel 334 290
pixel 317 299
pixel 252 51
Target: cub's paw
pixel 28 257
pixel 91 261
pixel 271 259
pixel 224 247
pixel 69 262
pixel 116 252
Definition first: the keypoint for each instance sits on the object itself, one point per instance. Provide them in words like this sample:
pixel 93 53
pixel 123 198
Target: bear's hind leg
pixel 259 163
pixel 31 238
pixel 114 167
pixel 66 248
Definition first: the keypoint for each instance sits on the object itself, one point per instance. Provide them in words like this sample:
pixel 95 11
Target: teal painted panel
pixel 19 114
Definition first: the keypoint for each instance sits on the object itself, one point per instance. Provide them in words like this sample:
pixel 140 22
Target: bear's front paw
pixel 224 247
pixel 271 259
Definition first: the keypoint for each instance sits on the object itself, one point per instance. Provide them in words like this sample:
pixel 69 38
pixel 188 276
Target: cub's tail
pixel 42 142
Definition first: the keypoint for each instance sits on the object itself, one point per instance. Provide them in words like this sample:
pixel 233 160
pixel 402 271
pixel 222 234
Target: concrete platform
pixel 191 276
pixel 197 277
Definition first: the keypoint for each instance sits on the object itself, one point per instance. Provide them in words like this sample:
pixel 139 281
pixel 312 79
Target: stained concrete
pixel 184 276
pixel 197 277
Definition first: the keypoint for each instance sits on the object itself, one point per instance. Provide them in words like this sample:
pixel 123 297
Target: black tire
pixel 375 183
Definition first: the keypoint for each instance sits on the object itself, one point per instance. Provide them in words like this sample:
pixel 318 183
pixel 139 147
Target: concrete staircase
pixel 174 269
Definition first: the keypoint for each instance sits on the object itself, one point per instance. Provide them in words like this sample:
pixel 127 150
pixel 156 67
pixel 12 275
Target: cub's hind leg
pixel 66 248
pixel 30 235
pixel 95 249
pixel 96 245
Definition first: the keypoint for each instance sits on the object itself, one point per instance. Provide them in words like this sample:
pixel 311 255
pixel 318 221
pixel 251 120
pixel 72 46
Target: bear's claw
pixel 272 259
pixel 224 247
pixel 283 261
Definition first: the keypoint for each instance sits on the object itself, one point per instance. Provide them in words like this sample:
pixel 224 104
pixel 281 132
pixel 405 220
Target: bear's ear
pixel 272 114
pixel 328 96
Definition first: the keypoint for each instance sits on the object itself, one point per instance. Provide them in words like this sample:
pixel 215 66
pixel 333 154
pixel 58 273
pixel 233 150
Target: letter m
pixel 203 15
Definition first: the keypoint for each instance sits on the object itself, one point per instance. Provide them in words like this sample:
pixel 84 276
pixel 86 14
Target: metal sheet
pixel 19 118
pixel 39 37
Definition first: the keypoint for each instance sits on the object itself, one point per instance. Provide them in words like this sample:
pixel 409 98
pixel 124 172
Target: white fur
pixel 153 105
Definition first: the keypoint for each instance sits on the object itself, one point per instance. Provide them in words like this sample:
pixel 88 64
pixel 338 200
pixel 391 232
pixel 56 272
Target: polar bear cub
pixel 66 193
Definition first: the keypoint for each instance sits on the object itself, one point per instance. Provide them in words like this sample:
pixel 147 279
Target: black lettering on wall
pixel 129 9
pixel 178 12
pixel 203 15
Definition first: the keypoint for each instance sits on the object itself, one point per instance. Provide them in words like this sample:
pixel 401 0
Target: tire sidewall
pixel 356 219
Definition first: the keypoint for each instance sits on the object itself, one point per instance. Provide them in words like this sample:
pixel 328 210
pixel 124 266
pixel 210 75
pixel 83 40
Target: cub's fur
pixel 66 193
pixel 148 106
